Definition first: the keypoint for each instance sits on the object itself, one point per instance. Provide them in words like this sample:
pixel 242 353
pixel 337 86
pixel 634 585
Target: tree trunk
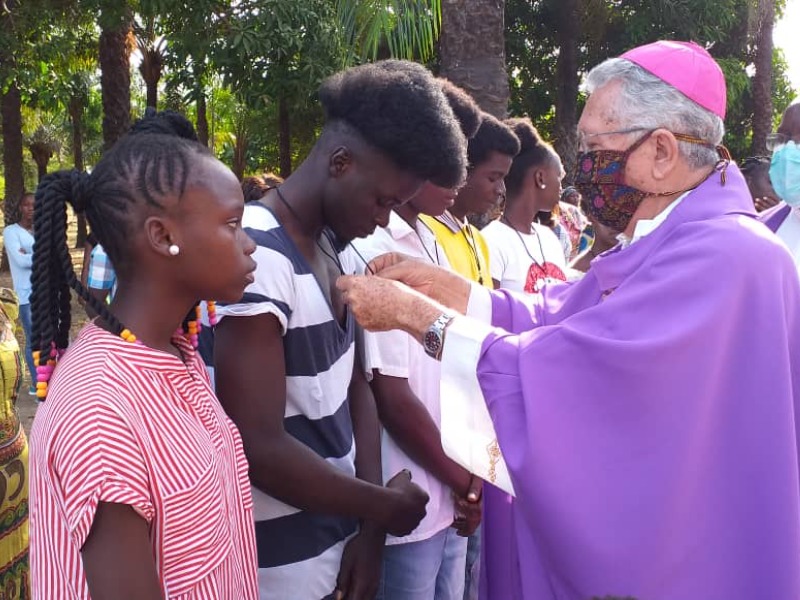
pixel 151 69
pixel 284 139
pixel 115 81
pixel 202 119
pixel 76 118
pixel 240 152
pixel 12 151
pixel 41 156
pixel 762 80
pixel 566 117
pixel 152 93
pixel 472 51
pixel 11 117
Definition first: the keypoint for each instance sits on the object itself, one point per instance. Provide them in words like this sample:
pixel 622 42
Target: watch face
pixel 433 342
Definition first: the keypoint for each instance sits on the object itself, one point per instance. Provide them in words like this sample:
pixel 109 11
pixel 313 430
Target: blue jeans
pixel 431 569
pixel 473 565
pixel 27 325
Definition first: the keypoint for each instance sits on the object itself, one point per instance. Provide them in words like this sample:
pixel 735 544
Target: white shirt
pixel 789 232
pixel 513 256
pixel 396 354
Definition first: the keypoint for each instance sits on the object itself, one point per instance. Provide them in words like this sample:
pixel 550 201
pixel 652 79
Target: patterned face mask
pixel 600 180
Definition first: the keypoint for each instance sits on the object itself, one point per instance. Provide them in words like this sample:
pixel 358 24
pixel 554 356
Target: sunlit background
pixel 787 37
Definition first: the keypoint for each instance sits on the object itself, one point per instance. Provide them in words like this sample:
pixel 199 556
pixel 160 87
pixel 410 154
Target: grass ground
pixel 26 404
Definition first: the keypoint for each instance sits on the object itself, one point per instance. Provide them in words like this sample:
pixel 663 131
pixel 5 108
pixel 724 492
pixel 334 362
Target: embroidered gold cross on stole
pixel 494 457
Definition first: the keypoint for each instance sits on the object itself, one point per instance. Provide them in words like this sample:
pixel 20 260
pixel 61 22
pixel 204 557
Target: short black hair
pixel 534 152
pixel 399 108
pixel 493 136
pixel 753 167
pixel 151 163
pixel 466 110
pixel 254 188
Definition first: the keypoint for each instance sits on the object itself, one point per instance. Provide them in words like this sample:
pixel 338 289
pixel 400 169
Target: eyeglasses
pixel 583 138
pixel 776 140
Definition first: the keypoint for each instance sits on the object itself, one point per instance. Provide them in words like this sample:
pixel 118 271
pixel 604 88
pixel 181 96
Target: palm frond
pixel 400 28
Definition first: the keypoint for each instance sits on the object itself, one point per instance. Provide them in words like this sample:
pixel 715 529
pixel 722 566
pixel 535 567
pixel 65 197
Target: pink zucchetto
pixel 687 67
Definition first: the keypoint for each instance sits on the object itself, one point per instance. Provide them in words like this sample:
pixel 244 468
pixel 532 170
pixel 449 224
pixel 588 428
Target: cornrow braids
pixel 142 171
pixel 53 276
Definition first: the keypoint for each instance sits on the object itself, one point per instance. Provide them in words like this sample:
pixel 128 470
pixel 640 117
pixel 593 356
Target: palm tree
pixel 11 109
pixel 43 144
pixel 567 78
pixel 472 51
pixel 763 22
pixel 151 47
pixel 116 44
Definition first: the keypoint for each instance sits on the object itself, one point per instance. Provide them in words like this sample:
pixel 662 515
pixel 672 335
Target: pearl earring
pixel 174 250
pixel 542 186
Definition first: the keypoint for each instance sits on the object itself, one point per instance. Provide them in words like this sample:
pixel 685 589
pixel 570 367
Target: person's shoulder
pixel 734 244
pixel 83 383
pixel 436 224
pixel 274 247
pixel 495 232
pixel 259 217
pixel 12 230
pixel 547 234
pixel 92 360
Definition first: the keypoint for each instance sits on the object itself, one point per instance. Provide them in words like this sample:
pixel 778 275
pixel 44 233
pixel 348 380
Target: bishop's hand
pixel 443 286
pixel 380 304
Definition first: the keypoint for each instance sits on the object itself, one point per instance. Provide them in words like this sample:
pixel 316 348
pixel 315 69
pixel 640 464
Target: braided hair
pixel 534 152
pixel 149 165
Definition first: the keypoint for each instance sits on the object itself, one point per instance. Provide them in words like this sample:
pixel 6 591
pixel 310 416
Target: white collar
pixel 452 222
pixel 397 227
pixel 647 226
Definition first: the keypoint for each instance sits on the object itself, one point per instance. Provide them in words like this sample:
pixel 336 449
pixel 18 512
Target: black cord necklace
pixel 424 246
pixel 332 256
pixel 473 246
pixel 525 246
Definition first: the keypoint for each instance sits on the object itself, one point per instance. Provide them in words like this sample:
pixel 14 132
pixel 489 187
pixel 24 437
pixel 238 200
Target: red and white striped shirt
pixel 127 424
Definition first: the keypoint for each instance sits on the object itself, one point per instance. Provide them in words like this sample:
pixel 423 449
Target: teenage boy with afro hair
pixel 286 365
pixel 429 563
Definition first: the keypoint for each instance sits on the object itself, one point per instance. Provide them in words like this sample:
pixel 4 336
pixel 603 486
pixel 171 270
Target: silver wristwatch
pixel 433 339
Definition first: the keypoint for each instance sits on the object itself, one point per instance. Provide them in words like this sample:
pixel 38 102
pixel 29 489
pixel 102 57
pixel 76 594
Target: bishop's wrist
pixel 418 315
pixel 434 335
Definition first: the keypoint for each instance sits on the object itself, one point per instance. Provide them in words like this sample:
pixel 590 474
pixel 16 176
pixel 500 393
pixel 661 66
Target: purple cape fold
pixel 775 216
pixel 648 415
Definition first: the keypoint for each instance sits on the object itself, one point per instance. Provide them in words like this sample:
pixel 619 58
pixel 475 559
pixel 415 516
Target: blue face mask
pixel 784 172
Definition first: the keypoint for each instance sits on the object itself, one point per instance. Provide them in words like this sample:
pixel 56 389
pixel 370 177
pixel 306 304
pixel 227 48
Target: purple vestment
pixel 648 416
pixel 775 216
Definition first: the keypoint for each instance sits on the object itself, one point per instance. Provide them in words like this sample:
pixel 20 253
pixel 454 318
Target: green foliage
pixel 246 55
pixel 375 29
pixel 609 27
pixel 277 49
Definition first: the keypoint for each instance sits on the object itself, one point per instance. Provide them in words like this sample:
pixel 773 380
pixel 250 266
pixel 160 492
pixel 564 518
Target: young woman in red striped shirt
pixel 139 484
